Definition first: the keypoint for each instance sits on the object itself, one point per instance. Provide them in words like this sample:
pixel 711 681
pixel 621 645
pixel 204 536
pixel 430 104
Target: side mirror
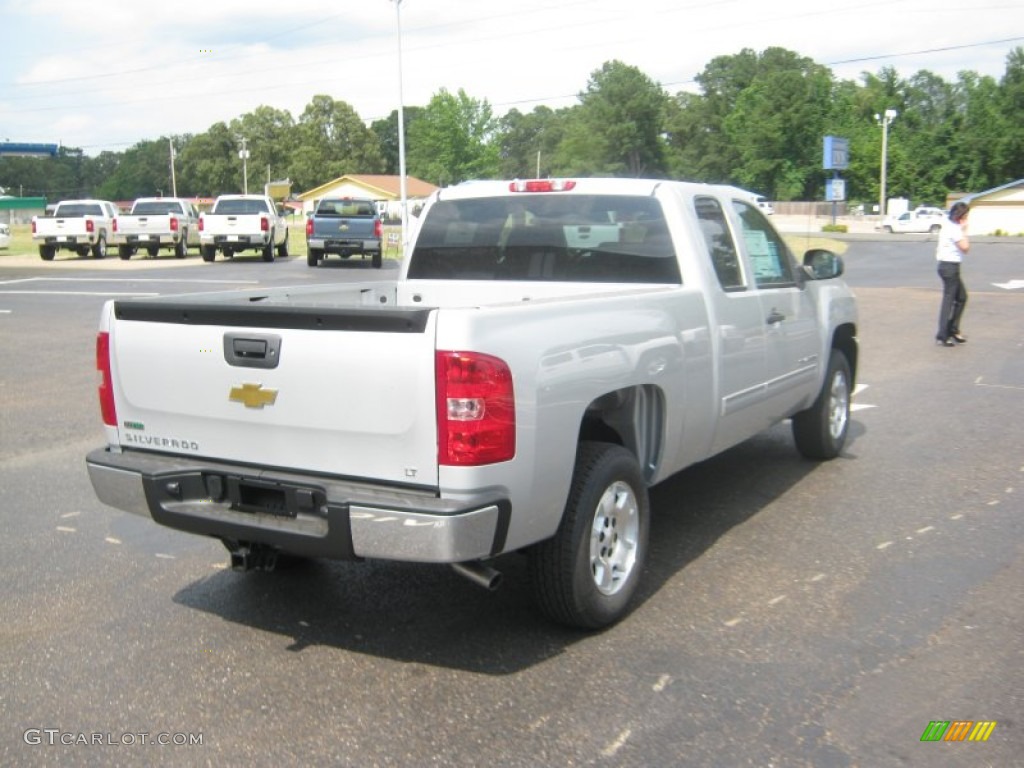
pixel 820 264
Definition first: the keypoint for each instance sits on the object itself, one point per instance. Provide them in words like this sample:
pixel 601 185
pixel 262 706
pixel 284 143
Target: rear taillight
pixel 378 228
pixel 174 225
pixel 309 227
pixel 541 185
pixel 90 225
pixel 200 223
pixel 33 226
pixel 106 385
pixel 476 415
pixel 264 224
pixel 115 225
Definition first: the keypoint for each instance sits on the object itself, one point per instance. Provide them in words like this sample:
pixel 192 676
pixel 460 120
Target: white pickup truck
pixel 240 223
pixel 82 226
pixel 155 223
pixel 550 350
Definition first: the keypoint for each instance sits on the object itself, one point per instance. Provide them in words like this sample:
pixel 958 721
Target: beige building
pixel 386 190
pixel 999 210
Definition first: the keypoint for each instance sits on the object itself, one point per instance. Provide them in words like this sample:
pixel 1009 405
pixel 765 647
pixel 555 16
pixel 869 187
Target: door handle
pixel 775 317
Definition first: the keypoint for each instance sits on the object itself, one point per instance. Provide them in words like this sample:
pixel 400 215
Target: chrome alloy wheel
pixel 838 405
pixel 613 538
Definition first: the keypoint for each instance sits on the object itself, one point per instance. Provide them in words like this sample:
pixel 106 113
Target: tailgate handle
pixel 252 350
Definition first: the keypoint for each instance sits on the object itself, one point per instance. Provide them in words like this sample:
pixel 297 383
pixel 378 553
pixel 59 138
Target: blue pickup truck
pixel 345 226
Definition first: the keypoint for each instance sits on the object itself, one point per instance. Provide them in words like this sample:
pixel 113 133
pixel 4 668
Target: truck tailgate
pixel 344 391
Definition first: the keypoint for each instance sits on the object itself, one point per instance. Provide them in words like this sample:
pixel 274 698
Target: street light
pixel 401 125
pixel 884 120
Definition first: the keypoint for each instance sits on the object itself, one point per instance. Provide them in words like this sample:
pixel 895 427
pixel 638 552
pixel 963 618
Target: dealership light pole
pixel 884 120
pixel 401 125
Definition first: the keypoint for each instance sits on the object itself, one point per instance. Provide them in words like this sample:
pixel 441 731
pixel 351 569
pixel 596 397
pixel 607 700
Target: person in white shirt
pixel 953 245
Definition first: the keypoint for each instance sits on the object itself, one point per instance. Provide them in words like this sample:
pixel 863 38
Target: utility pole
pixel 174 183
pixel 243 153
pixel 884 120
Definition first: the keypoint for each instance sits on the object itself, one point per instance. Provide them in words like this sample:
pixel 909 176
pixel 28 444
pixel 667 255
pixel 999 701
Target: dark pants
pixel 954 299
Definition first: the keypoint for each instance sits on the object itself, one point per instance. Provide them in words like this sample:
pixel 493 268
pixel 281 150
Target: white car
pixel 918 220
pixel 5 235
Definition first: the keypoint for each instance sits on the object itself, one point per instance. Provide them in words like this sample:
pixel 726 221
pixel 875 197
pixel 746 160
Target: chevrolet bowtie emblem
pixel 252 395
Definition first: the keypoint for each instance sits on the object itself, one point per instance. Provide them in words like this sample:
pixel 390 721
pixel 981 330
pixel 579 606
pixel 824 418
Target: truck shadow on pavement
pixel 428 614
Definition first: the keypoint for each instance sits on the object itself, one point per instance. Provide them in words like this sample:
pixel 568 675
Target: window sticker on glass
pixel 764 255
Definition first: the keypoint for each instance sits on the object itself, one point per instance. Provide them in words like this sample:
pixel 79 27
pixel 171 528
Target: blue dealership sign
pixel 836 155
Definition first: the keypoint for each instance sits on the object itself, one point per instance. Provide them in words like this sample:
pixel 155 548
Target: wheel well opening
pixel 634 418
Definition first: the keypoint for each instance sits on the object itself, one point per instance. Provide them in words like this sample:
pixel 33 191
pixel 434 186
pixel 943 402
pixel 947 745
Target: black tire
pixel 282 249
pixel 820 431
pixel 82 250
pixel 124 252
pixel 99 251
pixel 47 252
pixel 268 249
pixel 377 259
pixel 935 229
pixel 313 256
pixel 181 247
pixel 586 575
pixel 887 229
pixel 209 252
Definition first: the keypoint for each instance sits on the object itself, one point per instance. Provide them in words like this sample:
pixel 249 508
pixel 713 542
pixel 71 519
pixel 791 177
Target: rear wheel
pixel 209 252
pixel 153 250
pixel 935 228
pixel 181 247
pixel 268 249
pixel 586 575
pixel 313 256
pixel 99 251
pixel 377 259
pixel 820 431
pixel 282 249
pixel 82 250
pixel 124 252
pixel 47 252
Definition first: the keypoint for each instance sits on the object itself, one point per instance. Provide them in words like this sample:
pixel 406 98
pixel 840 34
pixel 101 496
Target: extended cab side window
pixel 769 255
pixel 721 246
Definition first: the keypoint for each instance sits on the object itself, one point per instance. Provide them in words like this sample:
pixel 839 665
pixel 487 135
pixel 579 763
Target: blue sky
pixel 106 74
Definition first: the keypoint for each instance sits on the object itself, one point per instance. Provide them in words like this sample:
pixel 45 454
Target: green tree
pixel 208 164
pixel 386 131
pixel 623 112
pixel 269 137
pixel 142 170
pixel 332 141
pixel 452 140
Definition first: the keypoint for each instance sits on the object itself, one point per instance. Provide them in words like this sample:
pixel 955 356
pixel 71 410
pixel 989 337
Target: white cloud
pixel 132 71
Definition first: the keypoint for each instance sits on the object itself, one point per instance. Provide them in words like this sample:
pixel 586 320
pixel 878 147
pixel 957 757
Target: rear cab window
pixel 546 237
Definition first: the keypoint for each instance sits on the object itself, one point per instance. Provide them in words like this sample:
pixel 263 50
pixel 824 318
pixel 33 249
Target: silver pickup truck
pixel 83 226
pixel 155 223
pixel 550 351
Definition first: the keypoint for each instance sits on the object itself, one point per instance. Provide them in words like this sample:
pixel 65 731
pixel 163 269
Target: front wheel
pixel 820 431
pixel 586 575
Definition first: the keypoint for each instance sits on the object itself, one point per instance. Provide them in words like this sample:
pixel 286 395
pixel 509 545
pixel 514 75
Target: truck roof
pixel 592 186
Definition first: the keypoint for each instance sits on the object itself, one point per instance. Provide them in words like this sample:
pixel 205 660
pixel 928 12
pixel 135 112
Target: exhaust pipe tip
pixel 480 574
